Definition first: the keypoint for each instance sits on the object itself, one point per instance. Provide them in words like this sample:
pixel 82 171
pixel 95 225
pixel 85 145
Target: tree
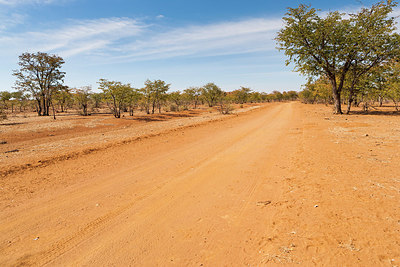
pixel 116 94
pixel 18 98
pixel 386 83
pixel 212 94
pixel 154 93
pixel 316 91
pixel 256 97
pixel 292 95
pixel 132 99
pixel 177 98
pixel 63 97
pixel 5 97
pixel 82 96
pixel 241 95
pixel 97 98
pixel 278 96
pixel 194 94
pixel 332 46
pixel 376 43
pixel 41 75
pixel 225 102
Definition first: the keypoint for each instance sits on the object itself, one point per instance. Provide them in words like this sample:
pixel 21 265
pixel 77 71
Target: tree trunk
pixel 39 107
pixel 350 99
pixel 54 111
pixel 154 107
pixel 44 105
pixel 336 98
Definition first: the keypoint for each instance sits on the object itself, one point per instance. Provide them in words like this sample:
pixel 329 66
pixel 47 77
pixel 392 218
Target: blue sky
pixel 183 42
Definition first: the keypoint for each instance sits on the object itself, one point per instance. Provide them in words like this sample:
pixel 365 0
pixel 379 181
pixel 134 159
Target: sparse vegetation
pixel 40 74
pixel 342 48
pixel 40 87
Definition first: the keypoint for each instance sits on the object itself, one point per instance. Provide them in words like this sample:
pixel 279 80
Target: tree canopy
pixel 338 43
pixel 40 74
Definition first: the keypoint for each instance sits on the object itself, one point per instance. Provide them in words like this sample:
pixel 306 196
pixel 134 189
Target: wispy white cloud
pixel 125 39
pixel 10 20
pixel 75 38
pixel 205 40
pixel 26 2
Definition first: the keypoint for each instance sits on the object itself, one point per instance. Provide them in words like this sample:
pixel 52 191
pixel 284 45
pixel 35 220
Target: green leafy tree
pixel 63 96
pixel 18 99
pixel 212 94
pixel 193 95
pixel 385 83
pixel 40 74
pixel 97 98
pixel 376 42
pixel 5 97
pixel 133 98
pixel 255 97
pixel 333 45
pixel 154 95
pixel 316 91
pixel 241 95
pixel 116 94
pixel 82 96
pixel 225 103
pixel 292 95
pixel 177 98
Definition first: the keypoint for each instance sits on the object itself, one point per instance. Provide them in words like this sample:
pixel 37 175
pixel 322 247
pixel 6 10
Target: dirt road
pixel 281 184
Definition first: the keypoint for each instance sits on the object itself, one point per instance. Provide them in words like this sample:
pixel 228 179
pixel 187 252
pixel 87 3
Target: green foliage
pixel 225 103
pixel 193 94
pixel 385 83
pixel 317 91
pixel 40 74
pixel 211 94
pixel 154 95
pixel 5 96
pixel 177 98
pixel 133 99
pixel 97 98
pixel 116 95
pixel 63 97
pixel 334 45
pixel 241 95
pixel 82 97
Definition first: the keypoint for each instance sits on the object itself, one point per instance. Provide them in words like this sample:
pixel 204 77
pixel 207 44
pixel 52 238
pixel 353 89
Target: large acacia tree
pixel 40 74
pixel 336 45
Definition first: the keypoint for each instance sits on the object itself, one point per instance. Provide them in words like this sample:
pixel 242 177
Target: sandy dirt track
pixel 284 184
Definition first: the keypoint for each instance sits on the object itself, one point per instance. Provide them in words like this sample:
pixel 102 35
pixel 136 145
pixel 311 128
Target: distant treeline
pixel 39 87
pixel 153 97
pixel 382 85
